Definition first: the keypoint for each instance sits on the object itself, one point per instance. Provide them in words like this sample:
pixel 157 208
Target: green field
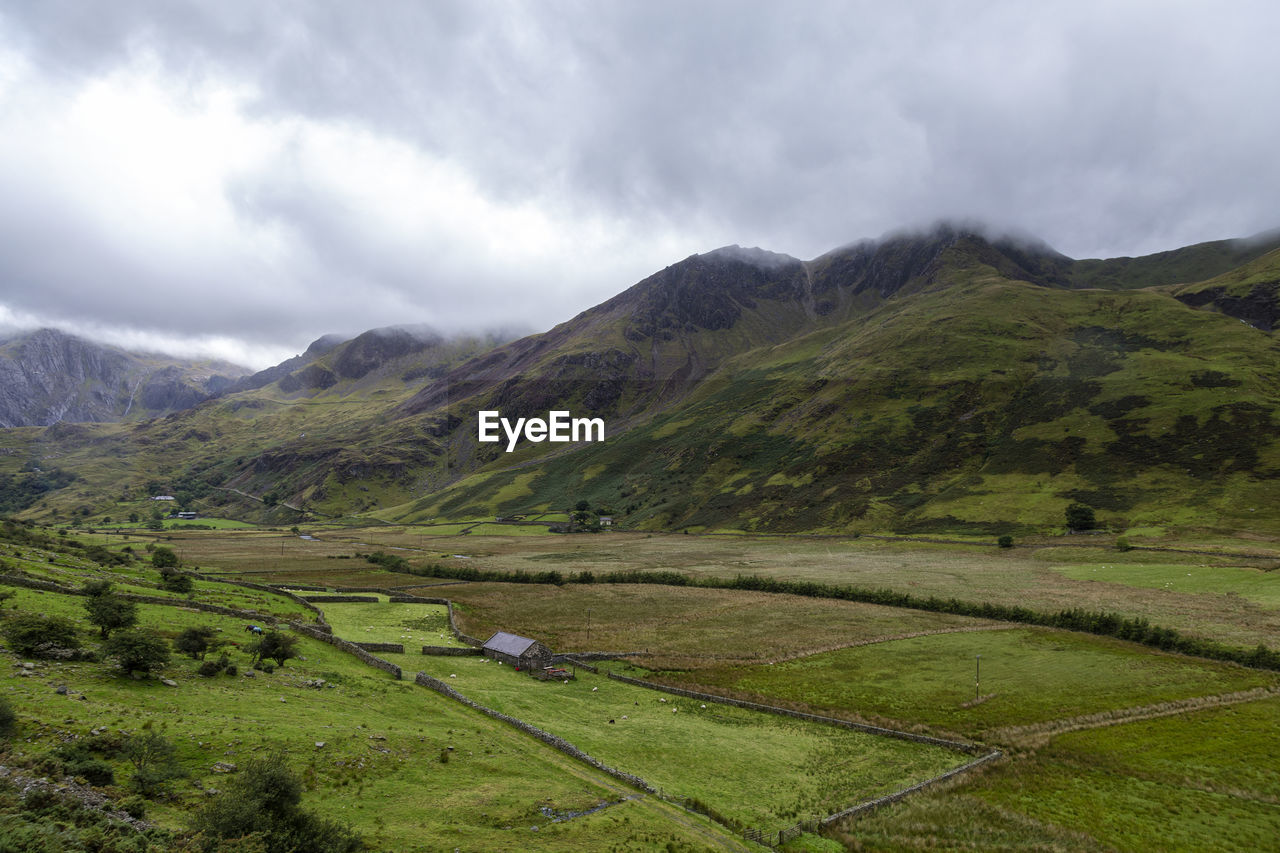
pixel 1257 585
pixel 758 769
pixel 412 625
pixel 1027 675
pixel 768 771
pixel 379 766
pixel 1201 781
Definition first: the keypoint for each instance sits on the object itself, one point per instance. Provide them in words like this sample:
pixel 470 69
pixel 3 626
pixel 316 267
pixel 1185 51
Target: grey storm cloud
pixel 245 176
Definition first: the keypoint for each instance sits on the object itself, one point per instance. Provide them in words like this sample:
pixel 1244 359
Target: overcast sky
pixel 238 178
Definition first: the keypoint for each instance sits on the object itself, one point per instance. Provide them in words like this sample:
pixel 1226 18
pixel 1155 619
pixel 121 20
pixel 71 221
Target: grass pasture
pixel 369 749
pixel 413 625
pixel 757 769
pixel 1206 780
pixel 1028 676
pixel 682 627
pixel 1256 585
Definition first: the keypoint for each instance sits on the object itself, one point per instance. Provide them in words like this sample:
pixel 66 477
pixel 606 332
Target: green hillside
pixel 937 382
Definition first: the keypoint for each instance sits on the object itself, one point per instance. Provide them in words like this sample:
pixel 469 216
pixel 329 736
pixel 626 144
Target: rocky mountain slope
pixel 48 376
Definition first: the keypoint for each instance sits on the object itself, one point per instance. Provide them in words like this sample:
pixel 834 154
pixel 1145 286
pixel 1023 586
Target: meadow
pixel 1110 745
pixel 369 749
pixel 1023 676
pixel 1205 780
pixel 756 769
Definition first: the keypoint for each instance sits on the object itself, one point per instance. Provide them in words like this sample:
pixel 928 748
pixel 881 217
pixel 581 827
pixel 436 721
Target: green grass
pixel 379 768
pixel 1030 675
pixel 759 769
pixel 1254 584
pixel 413 625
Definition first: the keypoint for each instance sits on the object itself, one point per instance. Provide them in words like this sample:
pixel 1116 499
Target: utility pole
pixel 977 677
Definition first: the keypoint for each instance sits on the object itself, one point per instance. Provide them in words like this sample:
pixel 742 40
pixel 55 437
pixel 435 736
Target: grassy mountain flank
pixel 944 381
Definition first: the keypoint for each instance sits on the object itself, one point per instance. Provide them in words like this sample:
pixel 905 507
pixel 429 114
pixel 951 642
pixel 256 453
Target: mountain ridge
pixel 902 384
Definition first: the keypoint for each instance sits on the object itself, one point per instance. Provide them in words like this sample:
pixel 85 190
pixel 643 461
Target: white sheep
pixel 594 689
pixel 453 675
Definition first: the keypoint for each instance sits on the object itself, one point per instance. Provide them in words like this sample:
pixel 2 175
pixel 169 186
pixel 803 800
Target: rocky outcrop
pixel 49 377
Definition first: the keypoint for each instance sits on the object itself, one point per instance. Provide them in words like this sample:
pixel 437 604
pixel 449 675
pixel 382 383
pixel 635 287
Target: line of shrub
pixel 1133 628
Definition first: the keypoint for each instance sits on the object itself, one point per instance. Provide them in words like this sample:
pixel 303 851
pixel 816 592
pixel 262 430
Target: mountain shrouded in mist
pixel 939 380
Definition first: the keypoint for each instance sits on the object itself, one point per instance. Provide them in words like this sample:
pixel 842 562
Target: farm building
pixel 518 651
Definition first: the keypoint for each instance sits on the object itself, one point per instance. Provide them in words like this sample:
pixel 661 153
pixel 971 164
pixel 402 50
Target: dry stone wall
pixel 350 648
pixel 546 737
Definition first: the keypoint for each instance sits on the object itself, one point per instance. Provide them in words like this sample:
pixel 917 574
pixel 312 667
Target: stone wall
pixel 800 715
pixel 546 737
pixel 342 599
pixel 350 648
pixel 862 808
pixel 398 648
pixel 451 651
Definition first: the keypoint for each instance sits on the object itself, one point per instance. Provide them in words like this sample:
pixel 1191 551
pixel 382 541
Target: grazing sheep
pixel 704 707
pixel 673 710
pixel 594 689
pixel 453 675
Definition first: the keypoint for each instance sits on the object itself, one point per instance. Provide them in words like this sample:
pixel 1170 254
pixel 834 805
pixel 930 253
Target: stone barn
pixel 518 651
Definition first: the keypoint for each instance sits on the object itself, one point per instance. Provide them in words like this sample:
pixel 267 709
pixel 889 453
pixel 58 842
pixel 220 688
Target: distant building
pixel 163 498
pixel 606 521
pixel 520 652
pixel 186 515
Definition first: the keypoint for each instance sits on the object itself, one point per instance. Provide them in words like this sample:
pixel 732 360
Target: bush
pixel 231 669
pixel 7 718
pixel 137 650
pixel 164 557
pixel 175 581
pixel 134 806
pixel 1005 541
pixel 195 641
pixel 275 646
pixel 1123 544
pixel 39 635
pixel 209 669
pixel 95 771
pixel 263 801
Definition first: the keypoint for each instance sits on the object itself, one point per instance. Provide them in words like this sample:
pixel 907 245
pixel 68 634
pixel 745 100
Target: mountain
pixel 940 380
pixel 48 376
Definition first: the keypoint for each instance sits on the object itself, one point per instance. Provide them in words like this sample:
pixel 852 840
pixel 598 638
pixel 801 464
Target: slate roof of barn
pixel 509 644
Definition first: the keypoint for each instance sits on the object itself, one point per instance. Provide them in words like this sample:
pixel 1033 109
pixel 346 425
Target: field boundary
pixel 546 737
pixel 1037 734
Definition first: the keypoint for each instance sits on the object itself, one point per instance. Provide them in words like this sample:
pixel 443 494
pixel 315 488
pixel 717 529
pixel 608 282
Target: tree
pixel 1080 517
pixel 582 506
pixel 1005 541
pixel 195 642
pixel 39 635
pixel 138 651
pixel 264 802
pixel 275 646
pixel 110 612
pixel 163 557
pixel 133 518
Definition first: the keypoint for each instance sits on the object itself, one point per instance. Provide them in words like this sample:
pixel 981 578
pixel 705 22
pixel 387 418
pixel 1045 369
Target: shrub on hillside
pixel 40 636
pixel 263 802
